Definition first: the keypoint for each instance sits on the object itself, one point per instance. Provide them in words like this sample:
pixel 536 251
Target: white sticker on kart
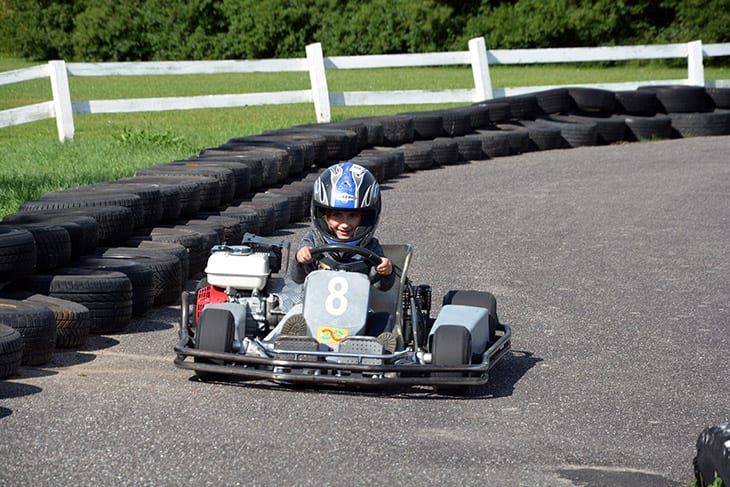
pixel 336 302
pixel 336 299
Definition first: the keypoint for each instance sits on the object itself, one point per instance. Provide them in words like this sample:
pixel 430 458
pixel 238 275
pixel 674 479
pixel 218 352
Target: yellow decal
pixel 328 334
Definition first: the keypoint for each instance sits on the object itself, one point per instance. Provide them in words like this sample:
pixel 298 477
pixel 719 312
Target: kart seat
pixel 391 301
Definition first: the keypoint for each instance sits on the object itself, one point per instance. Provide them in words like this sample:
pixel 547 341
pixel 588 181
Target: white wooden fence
pixel 478 57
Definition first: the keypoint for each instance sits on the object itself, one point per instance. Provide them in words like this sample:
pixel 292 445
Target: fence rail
pixel 62 108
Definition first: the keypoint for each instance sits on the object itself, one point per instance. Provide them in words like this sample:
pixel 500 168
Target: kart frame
pixel 402 368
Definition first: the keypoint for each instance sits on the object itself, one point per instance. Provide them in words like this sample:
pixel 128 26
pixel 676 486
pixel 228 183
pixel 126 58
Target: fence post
pixel 480 69
pixel 318 78
pixel 695 69
pixel 61 100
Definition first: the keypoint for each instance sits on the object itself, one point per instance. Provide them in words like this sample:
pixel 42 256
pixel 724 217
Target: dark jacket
pixel 297 271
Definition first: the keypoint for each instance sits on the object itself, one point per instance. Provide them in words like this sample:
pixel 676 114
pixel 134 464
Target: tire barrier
pixel 88 259
pixel 713 456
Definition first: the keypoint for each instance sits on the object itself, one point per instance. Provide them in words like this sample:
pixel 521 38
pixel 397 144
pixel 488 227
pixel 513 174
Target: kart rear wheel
pixel 479 299
pixel 451 345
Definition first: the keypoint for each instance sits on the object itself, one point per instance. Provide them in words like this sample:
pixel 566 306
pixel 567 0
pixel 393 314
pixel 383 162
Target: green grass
pixel 109 146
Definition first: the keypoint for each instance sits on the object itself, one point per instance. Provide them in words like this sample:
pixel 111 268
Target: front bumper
pixel 400 368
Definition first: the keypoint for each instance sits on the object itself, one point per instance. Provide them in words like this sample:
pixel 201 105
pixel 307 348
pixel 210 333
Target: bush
pixel 139 30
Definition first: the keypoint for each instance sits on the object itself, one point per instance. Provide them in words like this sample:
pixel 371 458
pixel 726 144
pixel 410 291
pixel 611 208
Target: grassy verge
pixel 109 146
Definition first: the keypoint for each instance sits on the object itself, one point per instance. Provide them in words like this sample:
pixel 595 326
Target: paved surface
pixel 611 265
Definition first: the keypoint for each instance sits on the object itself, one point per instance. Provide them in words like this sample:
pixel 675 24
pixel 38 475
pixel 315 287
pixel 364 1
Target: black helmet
pixel 346 186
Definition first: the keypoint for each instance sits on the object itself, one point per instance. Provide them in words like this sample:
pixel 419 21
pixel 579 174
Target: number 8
pixel 336 302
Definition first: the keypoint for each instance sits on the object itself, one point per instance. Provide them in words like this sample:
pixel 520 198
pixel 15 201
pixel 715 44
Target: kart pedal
pixel 295 325
pixel 299 343
pixel 361 345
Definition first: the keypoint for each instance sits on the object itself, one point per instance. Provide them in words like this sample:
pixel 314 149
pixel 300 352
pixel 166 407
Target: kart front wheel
pixel 480 299
pixel 450 345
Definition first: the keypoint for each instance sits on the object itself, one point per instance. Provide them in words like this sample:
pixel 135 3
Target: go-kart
pixel 352 333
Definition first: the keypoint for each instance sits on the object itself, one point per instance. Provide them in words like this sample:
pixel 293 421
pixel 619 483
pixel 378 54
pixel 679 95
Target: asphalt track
pixel 611 265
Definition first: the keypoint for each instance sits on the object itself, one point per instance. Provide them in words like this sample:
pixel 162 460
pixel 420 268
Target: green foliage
pixel 716 483
pixel 107 30
pixel 151 137
pixel 139 30
pixel 386 26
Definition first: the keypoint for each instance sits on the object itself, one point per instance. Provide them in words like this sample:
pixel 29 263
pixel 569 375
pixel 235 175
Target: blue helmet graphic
pixel 346 186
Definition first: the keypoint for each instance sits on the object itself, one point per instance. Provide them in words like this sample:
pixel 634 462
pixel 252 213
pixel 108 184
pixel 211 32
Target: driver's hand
pixel 304 256
pixel 385 268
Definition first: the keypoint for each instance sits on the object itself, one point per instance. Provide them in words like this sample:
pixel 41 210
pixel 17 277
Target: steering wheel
pixel 370 258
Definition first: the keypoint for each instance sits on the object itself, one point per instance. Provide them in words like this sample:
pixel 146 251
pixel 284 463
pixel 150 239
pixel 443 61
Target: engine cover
pixel 237 267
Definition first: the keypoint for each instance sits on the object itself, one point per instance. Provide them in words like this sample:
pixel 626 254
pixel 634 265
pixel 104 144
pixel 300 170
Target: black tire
pixel 373 164
pixel 82 230
pixel 417 157
pixel 700 124
pixel 107 294
pixel 169 198
pixel 575 134
pixel 225 176
pixel 297 202
pixel 713 455
pixel 17 254
pixel 445 151
pixel 495 143
pixel 456 121
pixel 479 116
pixel 266 215
pixel 210 186
pixel 544 137
pixel 247 218
pixel 150 195
pixel 426 125
pixel 281 205
pixel 231 226
pixel 718 97
pixel 255 164
pixel 678 98
pixel 187 190
pixel 556 100
pixel 470 148
pixel 241 175
pixel 94 196
pixel 11 351
pixel 342 143
pixel 141 277
pixel 114 223
pixel 360 129
pixel 36 323
pixel 479 299
pixel 646 128
pixel 518 137
pixel 610 130
pixel 73 320
pixel 374 129
pixel 168 261
pixel 215 233
pixel 287 167
pixel 397 129
pixel 53 245
pixel 593 100
pixel 523 107
pixel 393 163
pixel 499 111
pixel 450 345
pixel 88 203
pixel 194 242
pixel 636 102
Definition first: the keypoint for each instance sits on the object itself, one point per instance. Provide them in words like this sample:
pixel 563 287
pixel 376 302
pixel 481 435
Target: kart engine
pixel 238 285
